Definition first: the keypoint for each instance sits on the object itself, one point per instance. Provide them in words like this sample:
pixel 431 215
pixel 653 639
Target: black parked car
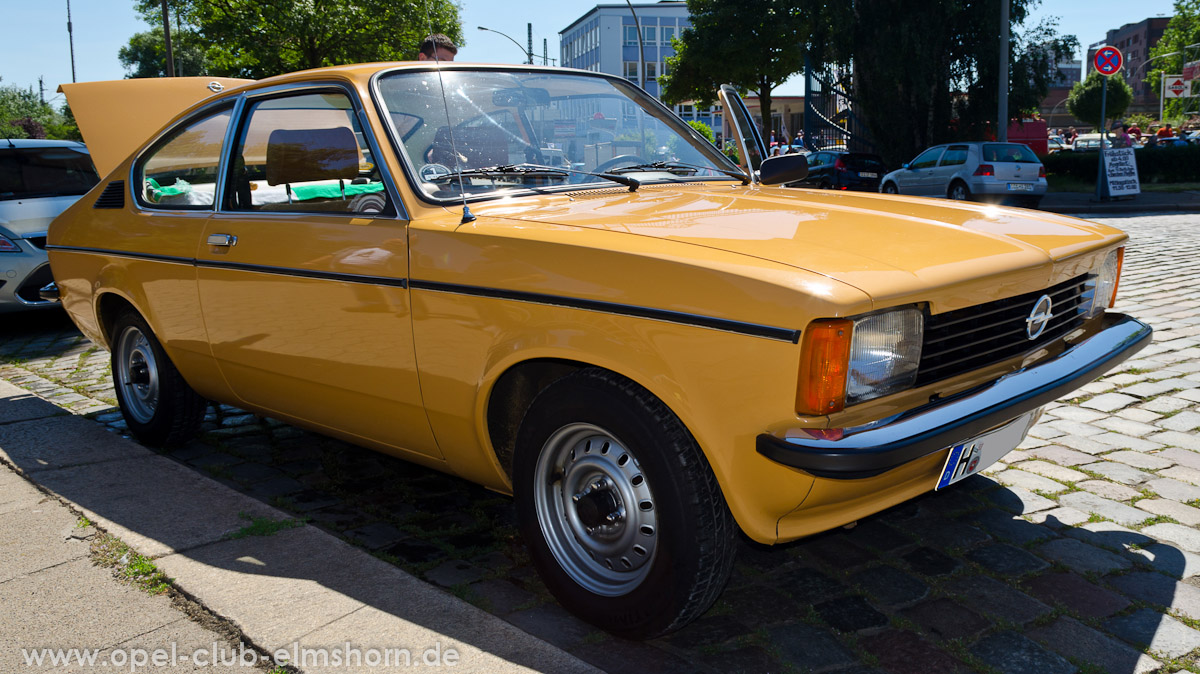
pixel 841 170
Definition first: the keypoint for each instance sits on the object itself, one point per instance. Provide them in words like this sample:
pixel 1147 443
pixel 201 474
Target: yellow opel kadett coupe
pixel 543 281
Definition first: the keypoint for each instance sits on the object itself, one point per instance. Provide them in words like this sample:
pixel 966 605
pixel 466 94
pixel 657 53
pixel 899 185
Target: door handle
pixel 224 240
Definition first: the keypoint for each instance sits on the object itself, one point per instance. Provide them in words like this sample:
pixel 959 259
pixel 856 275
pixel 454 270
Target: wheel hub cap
pixel 595 509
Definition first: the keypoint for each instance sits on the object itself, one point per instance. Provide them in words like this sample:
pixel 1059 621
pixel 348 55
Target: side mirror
pixel 786 168
pixel 906 166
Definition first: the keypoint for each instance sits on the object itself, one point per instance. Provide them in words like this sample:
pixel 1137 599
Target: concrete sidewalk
pixel 1146 202
pixel 294 588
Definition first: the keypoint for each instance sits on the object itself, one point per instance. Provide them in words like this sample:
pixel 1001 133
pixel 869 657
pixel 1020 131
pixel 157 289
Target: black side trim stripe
pixel 122 253
pixel 306 273
pixel 753 329
pixel 238 266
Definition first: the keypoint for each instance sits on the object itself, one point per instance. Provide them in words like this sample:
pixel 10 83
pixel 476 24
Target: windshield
pixel 577 124
pixel 32 172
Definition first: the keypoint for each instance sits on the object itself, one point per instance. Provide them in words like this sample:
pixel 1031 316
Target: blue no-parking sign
pixel 1108 61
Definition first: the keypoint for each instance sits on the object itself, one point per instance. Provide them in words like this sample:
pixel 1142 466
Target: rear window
pixel 1012 152
pixel 31 172
pixel 863 162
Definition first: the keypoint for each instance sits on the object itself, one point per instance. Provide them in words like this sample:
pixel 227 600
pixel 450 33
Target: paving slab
pixel 17 404
pixel 184 509
pixel 1013 653
pixel 1159 589
pixel 1072 639
pixel 33 537
pixel 1185 514
pixel 1117 512
pixel 1187 538
pixel 997 599
pixel 1168 559
pixel 1173 489
pixel 304 586
pixel 1081 557
pixel 57 442
pixel 1162 634
pixel 1118 472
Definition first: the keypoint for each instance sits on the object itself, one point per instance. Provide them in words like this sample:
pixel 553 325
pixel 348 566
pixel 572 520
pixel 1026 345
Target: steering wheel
pixel 631 159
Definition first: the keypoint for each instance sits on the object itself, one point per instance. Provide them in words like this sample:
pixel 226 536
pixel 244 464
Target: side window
pixel 955 156
pixel 305 154
pixel 181 170
pixel 927 159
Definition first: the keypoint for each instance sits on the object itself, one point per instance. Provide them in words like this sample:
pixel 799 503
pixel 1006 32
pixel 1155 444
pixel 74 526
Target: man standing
pixel 437 47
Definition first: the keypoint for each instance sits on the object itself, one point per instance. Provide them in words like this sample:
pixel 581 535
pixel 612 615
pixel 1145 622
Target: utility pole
pixel 1002 112
pixel 71 40
pixel 545 52
pixel 529 44
pixel 167 39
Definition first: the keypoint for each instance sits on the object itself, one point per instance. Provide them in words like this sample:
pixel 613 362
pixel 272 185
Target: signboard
pixel 1174 86
pixel 1120 168
pixel 1190 70
pixel 1108 61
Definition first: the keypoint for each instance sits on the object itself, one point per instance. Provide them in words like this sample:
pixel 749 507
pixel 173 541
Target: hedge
pixel 1155 165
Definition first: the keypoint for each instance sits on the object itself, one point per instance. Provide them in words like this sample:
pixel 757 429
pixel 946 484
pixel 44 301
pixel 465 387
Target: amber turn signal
pixel 824 362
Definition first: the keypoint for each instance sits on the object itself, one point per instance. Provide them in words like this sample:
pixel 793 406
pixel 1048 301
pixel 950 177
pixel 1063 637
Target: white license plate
pixel 978 453
pixel 865 174
pixel 1020 187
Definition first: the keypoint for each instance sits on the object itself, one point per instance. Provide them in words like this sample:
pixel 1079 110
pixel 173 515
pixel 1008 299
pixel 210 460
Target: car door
pixel 303 273
pixel 948 166
pixel 920 173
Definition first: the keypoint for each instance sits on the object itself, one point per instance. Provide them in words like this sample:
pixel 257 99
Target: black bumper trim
pixel 928 429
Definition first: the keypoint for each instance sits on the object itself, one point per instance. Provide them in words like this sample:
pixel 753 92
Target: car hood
pixel 893 248
pixel 31 217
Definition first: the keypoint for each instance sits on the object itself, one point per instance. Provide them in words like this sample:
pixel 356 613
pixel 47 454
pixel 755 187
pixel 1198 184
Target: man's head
pixel 437 47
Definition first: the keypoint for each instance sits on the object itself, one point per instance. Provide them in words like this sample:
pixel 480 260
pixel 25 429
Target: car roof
pixel 8 143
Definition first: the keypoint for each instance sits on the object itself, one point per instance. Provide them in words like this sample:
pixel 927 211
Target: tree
pixel 753 44
pixel 1086 96
pixel 24 115
pixel 925 71
pixel 260 38
pixel 1182 30
pixel 146 54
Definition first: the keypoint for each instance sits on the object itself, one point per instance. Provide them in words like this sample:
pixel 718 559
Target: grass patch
pixel 110 552
pixel 263 526
pixel 83 523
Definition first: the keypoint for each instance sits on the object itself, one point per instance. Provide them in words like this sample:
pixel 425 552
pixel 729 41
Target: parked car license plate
pixel 974 455
pixel 867 174
pixel 1020 187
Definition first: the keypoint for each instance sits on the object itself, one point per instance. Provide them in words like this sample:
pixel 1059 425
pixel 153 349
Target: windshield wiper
pixel 668 165
pixel 535 171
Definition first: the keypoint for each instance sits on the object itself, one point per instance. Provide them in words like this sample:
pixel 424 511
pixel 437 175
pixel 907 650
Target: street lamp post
pixel 528 54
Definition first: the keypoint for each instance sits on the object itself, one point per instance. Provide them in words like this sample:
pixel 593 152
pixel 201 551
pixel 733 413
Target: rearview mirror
pixel 520 97
pixel 786 168
pixel 906 166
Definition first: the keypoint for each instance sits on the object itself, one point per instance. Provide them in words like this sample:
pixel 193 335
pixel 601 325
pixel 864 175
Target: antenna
pixel 467 215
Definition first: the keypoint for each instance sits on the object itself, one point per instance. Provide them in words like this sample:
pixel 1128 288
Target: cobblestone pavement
pixel 1079 552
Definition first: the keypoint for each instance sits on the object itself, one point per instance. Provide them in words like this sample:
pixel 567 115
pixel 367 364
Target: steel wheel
pixel 959 192
pixel 158 405
pixel 137 374
pixel 890 188
pixel 595 509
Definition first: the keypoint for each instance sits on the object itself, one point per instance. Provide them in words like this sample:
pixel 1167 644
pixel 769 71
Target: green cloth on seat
pixel 331 191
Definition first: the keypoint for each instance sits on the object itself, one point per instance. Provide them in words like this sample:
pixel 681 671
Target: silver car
pixel 38 180
pixel 984 171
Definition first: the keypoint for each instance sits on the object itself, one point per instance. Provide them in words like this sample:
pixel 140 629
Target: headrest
pixel 303 155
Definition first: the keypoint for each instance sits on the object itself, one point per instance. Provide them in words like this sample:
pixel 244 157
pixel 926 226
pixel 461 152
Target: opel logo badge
pixel 1039 317
pixel 216 87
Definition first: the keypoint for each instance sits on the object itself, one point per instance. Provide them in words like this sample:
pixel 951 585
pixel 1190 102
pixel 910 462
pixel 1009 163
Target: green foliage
pixel 1182 30
pixel 24 115
pixel 1140 120
pixel 1085 98
pixel 703 129
pixel 260 38
pixel 263 526
pixel 1155 165
pixel 926 71
pixel 146 54
pixel 753 44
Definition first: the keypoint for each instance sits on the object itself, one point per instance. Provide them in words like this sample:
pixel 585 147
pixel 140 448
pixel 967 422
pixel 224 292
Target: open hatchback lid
pixel 116 117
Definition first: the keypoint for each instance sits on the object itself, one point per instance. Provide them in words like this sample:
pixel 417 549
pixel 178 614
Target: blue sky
pixel 35 41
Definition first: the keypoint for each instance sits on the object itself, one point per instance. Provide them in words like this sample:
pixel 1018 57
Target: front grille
pixel 28 290
pixel 968 339
pixel 37 241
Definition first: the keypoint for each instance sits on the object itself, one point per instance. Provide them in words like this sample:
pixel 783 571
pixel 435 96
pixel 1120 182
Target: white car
pixel 976 170
pixel 38 180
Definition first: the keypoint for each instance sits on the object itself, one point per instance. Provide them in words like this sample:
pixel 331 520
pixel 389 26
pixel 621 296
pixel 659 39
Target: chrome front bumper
pixel 925 430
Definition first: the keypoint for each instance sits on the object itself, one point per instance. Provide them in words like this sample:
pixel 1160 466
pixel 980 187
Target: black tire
pixel 692 534
pixel 890 188
pixel 959 191
pixel 1032 202
pixel 159 407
